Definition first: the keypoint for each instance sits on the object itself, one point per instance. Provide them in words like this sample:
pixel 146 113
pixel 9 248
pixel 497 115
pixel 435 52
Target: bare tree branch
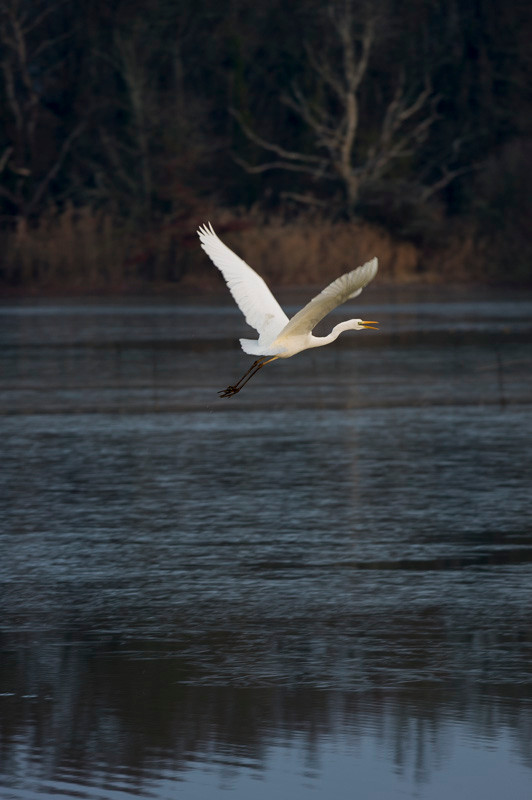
pixel 325 72
pixel 36 20
pixel 51 43
pixel 286 165
pixel 448 176
pixel 6 155
pixel 54 169
pixel 289 155
pixel 397 141
pixel 328 134
pixel 9 83
pixel 10 196
pixel 306 199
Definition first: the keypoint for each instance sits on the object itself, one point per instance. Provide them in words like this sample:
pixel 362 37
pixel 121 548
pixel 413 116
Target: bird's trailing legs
pixel 258 364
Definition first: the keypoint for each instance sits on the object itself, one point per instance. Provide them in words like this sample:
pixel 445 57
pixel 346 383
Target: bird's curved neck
pixel 320 341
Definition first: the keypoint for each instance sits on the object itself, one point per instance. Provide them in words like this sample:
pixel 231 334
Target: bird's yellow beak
pixel 369 324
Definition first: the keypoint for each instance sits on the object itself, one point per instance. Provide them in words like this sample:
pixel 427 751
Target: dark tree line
pixel 405 112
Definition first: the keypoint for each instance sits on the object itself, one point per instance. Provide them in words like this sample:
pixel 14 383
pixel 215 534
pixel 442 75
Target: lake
pixel 321 587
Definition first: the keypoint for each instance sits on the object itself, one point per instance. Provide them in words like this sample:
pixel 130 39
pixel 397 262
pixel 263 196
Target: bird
pixel 280 337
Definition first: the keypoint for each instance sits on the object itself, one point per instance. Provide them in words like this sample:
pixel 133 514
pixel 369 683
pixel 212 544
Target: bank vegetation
pixel 312 134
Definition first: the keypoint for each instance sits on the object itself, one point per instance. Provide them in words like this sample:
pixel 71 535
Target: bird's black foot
pixel 229 392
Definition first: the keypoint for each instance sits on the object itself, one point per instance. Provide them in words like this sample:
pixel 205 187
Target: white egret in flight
pixel 280 337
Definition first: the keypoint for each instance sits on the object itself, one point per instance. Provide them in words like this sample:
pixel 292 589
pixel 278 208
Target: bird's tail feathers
pixel 254 348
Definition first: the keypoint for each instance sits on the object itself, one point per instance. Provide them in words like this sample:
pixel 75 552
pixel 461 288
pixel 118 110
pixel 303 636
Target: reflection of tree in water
pixel 94 708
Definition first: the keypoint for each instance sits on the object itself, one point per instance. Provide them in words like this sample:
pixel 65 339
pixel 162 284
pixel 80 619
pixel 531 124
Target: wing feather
pixel 257 303
pixel 343 288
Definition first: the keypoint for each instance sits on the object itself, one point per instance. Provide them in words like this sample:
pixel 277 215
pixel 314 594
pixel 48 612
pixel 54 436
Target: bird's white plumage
pixel 343 288
pixel 257 303
pixel 280 337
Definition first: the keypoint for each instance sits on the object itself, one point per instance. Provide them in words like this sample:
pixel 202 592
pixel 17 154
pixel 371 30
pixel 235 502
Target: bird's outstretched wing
pixel 343 288
pixel 257 303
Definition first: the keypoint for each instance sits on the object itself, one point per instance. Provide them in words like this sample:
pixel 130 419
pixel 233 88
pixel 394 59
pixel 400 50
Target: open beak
pixel 369 324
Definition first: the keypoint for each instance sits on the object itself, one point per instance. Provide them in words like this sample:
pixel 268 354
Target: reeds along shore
pixel 87 251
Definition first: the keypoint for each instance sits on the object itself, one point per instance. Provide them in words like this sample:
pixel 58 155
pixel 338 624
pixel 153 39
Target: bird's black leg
pixel 252 367
pixel 258 364
pixel 233 389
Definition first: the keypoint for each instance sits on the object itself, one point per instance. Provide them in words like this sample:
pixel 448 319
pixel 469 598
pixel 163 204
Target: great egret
pixel 280 337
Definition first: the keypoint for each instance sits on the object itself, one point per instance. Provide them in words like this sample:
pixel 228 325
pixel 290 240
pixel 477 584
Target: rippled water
pixel 323 584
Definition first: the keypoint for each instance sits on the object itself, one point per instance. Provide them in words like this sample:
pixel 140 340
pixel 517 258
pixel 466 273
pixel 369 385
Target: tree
pixel 32 153
pixel 330 108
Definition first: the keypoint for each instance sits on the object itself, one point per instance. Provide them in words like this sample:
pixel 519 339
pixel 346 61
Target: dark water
pixel 319 588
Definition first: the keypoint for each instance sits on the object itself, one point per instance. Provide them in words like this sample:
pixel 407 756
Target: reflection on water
pixel 322 583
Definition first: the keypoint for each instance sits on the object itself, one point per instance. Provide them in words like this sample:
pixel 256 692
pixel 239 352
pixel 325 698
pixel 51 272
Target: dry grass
pixel 459 260
pixel 83 250
pixel 315 250
pixel 74 248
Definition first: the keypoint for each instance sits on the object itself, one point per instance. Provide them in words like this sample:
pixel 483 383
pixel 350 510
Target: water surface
pixel 323 584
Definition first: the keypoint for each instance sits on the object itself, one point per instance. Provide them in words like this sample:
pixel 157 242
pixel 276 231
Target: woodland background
pixel 312 133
